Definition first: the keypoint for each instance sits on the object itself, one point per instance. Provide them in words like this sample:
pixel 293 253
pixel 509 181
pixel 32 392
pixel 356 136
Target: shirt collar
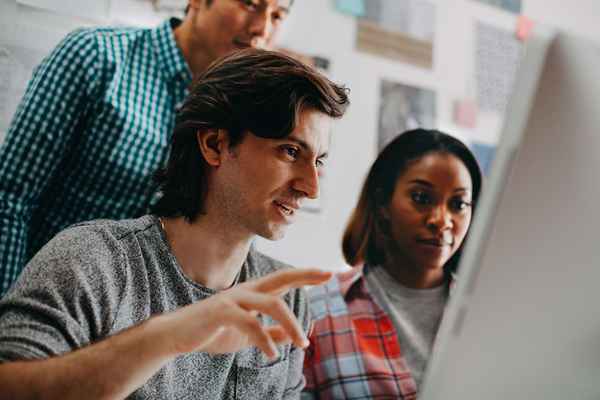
pixel 171 59
pixel 352 283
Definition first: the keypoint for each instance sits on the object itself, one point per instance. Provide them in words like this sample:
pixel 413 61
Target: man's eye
pixel 277 17
pixel 320 163
pixel 291 152
pixel 250 4
pixel 421 197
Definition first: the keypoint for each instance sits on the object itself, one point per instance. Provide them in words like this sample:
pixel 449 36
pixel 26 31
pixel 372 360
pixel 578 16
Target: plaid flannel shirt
pixel 354 350
pixel 94 124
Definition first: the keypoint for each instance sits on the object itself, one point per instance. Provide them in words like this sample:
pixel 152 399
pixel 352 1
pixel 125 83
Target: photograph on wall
pixel 402 30
pixel 403 107
pixel 513 6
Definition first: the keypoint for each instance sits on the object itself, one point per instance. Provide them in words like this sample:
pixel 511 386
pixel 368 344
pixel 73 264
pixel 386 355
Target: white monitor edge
pixel 517 113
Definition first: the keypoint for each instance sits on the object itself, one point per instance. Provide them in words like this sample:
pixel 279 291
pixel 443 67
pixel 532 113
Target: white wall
pixel 314 27
pixel 578 17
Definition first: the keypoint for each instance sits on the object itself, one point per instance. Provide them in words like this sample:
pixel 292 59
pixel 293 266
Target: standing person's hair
pixel 365 235
pixel 251 91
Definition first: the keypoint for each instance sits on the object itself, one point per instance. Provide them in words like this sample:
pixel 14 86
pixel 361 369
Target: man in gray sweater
pixel 177 304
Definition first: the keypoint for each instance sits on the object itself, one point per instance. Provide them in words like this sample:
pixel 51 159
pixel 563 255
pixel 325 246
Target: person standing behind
pixel 374 326
pixel 97 115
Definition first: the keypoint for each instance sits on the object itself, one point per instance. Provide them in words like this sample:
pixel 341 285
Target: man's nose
pixel 261 28
pixel 308 182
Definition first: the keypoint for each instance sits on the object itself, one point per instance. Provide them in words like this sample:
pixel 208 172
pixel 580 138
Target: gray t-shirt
pixel 416 314
pixel 98 278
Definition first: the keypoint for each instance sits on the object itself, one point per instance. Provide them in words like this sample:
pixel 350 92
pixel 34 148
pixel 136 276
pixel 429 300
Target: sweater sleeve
pixel 66 298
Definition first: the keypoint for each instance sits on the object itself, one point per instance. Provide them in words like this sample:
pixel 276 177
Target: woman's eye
pixel 420 197
pixel 460 204
pixel 320 163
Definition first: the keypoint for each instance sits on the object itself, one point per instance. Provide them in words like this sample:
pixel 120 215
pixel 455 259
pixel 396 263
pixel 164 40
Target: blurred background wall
pixel 469 40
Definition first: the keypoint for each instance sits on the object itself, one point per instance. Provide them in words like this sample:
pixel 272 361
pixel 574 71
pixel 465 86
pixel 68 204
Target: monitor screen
pixel 523 321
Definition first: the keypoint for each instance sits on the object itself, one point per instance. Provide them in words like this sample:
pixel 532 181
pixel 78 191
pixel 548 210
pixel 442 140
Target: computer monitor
pixel 524 319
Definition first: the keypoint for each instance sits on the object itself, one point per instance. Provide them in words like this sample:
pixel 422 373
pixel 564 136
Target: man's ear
pixel 213 144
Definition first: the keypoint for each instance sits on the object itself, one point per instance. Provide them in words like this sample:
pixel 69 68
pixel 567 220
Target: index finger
pixel 281 281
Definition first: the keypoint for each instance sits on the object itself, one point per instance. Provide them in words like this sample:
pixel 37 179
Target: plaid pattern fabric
pixel 354 351
pixel 93 125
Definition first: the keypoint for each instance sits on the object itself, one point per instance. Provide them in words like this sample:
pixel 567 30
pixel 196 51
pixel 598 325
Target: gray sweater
pixel 98 278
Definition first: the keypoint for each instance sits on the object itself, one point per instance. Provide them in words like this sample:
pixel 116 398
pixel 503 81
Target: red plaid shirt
pixel 354 351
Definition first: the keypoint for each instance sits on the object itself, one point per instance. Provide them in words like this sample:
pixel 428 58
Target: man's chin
pixel 273 234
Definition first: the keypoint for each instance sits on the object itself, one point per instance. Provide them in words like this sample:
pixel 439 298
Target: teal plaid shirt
pixel 94 124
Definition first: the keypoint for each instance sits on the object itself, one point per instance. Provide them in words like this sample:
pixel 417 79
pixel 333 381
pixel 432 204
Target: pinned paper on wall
pixel 403 107
pixel 401 30
pixel 513 6
pixel 465 113
pixel 497 58
pixel 95 10
pixel 524 27
pixel 351 7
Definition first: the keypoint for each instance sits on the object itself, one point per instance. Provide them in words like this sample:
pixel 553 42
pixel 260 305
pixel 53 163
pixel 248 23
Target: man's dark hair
pixel 209 2
pixel 251 91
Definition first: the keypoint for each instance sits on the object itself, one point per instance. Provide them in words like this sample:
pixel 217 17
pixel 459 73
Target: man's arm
pixel 38 138
pixel 115 367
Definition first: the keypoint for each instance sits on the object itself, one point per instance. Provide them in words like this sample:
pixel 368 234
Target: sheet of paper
pixel 497 57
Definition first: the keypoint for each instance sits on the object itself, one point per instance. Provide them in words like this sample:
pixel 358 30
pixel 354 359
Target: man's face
pixel 261 183
pixel 229 25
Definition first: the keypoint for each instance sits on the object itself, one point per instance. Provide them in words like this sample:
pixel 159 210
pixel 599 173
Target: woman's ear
pixel 213 144
pixel 384 213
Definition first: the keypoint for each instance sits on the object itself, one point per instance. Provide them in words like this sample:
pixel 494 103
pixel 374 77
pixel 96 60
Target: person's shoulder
pixel 108 32
pixel 260 264
pixel 98 237
pixel 106 39
pixel 112 229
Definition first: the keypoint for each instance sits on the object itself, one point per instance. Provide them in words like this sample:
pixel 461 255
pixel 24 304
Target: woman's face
pixel 429 215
